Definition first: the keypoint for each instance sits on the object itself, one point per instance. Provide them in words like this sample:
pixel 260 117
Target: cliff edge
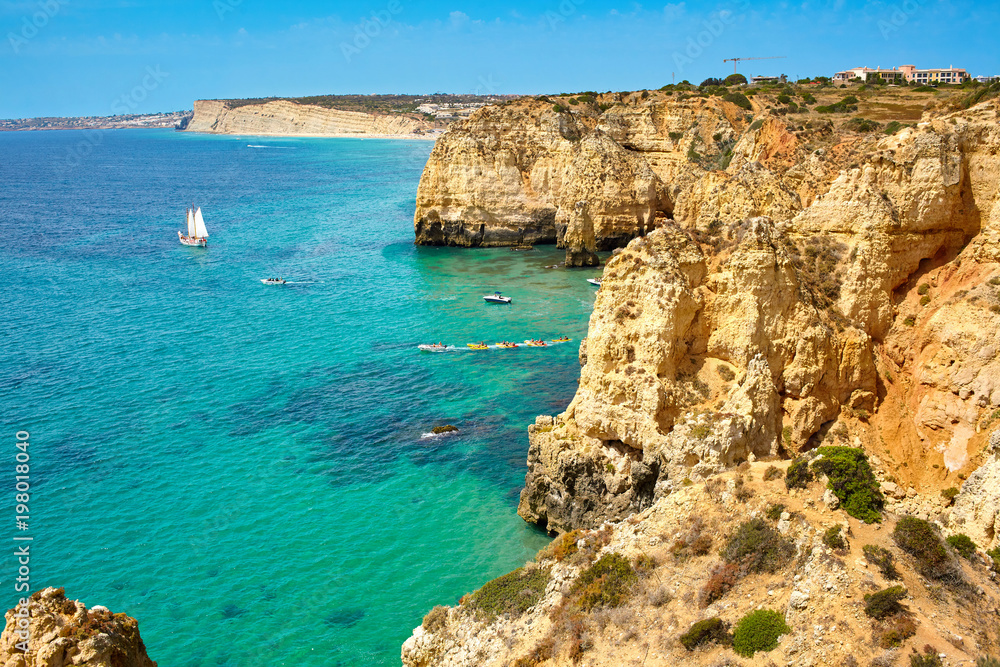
pixel 65 632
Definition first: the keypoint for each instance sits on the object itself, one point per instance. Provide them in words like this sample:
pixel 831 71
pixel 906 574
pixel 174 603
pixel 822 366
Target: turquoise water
pixel 240 467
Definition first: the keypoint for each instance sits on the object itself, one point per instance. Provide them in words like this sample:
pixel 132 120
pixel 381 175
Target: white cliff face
pixel 282 117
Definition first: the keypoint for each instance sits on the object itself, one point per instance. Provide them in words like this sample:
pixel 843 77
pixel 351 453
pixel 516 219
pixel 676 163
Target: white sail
pixel 199 225
pixel 190 222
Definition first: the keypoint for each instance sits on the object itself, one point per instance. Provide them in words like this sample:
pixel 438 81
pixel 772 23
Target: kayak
pixel 473 346
pixel 560 340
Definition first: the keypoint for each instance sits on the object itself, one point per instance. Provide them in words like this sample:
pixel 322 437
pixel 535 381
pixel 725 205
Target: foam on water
pixel 242 467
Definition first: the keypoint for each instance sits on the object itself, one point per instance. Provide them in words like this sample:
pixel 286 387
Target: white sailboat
pixel 197 233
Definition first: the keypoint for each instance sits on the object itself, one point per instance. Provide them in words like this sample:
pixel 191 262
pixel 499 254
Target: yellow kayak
pixel 473 346
pixel 507 346
pixel 560 340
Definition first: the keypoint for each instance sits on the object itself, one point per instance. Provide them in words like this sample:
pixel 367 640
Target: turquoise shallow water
pixel 242 467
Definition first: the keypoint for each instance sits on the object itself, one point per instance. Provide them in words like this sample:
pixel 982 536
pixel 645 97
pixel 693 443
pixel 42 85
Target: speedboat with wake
pixel 436 347
pixel 274 281
pixel 496 297
pixel 594 281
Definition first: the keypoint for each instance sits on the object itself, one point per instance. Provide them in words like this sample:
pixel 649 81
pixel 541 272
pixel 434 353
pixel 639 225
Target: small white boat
pixel 437 347
pixel 274 281
pixel 594 281
pixel 197 234
pixel 496 297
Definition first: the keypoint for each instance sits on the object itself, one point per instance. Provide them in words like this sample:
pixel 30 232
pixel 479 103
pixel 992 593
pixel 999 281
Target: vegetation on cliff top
pixel 759 631
pixel 851 479
pixel 512 594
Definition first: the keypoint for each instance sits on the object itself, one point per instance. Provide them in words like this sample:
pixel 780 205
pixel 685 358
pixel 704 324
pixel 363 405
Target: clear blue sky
pixel 98 57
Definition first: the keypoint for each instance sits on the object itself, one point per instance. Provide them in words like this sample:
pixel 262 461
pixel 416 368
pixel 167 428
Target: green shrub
pixel 853 482
pixel 674 136
pixel 995 281
pixel 994 555
pixel 894 631
pixel 606 583
pixel 798 474
pixel 558 108
pixel 774 511
pixel 808 98
pixel 846 105
pixel 513 593
pixel 893 127
pixel 924 300
pixel 757 547
pixel 740 100
pixel 784 99
pixel 712 630
pixel 910 321
pixel 759 631
pixel 833 539
pixel 928 659
pixel 923 289
pixel 924 89
pixel 964 545
pixel 883 559
pixel 773 472
pixel 919 539
pixel 755 125
pixel 862 125
pixel 735 80
pixel 950 494
pixel 885 603
pixel 987 661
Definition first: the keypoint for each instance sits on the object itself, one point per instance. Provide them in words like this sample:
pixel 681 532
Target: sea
pixel 249 470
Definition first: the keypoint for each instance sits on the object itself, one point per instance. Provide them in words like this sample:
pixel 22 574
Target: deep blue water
pixel 240 467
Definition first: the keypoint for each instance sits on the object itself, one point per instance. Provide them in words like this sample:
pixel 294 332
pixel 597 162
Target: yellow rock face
pixel 869 318
pixel 282 117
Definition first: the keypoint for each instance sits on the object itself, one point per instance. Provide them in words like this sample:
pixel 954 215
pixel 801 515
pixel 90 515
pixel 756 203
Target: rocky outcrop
pixel 868 318
pixel 523 173
pixel 282 118
pixel 65 632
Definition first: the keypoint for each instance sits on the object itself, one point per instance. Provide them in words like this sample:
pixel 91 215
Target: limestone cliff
pixel 868 318
pixel 282 117
pixel 65 632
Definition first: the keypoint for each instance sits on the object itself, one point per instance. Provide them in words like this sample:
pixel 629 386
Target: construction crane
pixel 736 61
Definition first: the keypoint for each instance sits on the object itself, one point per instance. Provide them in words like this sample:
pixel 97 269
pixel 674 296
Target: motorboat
pixel 496 297
pixel 436 347
pixel 507 346
pixel 274 281
pixel 478 346
pixel 534 343
pixel 594 281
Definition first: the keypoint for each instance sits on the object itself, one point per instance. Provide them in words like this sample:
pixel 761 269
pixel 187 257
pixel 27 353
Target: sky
pixel 104 57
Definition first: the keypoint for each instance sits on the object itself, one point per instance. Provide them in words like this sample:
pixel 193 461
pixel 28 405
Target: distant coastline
pixel 159 121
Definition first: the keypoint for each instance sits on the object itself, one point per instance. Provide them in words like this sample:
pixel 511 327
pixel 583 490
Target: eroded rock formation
pixel 65 632
pixel 869 318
